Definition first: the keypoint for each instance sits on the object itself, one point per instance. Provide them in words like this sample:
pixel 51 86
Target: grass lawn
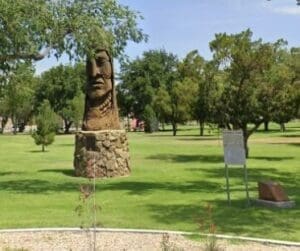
pixel 172 181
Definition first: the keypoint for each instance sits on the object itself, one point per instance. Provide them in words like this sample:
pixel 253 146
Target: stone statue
pixel 101 148
pixel 101 111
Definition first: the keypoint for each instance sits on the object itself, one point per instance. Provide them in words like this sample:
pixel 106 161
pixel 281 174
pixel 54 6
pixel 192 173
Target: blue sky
pixel 179 26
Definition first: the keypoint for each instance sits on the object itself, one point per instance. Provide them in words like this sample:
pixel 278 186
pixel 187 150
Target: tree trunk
pixel 22 127
pixel 282 127
pixel 128 123
pixel 3 123
pixel 201 128
pixel 67 126
pixel 43 148
pixel 14 122
pixel 266 126
pixel 163 126
pixel 246 147
pixel 247 133
pixel 228 126
pixel 174 128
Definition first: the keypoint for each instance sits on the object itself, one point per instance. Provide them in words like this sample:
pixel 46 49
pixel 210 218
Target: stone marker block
pixel 102 153
pixel 271 191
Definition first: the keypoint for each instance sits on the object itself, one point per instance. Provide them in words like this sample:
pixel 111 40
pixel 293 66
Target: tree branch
pixel 34 56
pixel 257 124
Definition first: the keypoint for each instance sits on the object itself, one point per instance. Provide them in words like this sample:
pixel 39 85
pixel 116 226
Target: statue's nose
pixel 94 68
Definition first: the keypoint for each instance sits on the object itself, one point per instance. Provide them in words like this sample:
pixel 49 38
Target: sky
pixel 180 26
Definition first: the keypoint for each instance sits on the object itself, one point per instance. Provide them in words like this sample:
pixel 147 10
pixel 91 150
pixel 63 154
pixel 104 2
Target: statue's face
pixel 99 73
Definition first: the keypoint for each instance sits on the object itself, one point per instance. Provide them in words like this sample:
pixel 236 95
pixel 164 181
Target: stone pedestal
pixel 102 153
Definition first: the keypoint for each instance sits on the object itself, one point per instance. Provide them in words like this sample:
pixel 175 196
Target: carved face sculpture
pixel 99 73
pixel 101 111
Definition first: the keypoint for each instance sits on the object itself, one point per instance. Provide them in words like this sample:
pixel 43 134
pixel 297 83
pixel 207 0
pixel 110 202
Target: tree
pixel 76 109
pixel 175 101
pixel 209 92
pixel 60 85
pixel 18 96
pixel 4 113
pixel 278 93
pixel 295 65
pixel 182 99
pixel 162 105
pixel 31 29
pixel 141 78
pixel 244 63
pixel 150 120
pixel 205 75
pixel 46 122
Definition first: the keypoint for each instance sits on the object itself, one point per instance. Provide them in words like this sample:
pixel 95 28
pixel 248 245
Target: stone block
pixel 101 154
pixel 271 191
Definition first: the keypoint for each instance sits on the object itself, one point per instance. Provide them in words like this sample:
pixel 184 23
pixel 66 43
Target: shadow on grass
pixel 294 144
pixel 270 131
pixel 142 188
pixel 68 172
pixel 36 186
pixel 180 158
pixel 201 138
pixel 37 151
pixel 289 182
pixel 10 173
pixel 271 158
pixel 291 135
pixel 66 145
pixel 236 219
pixel 158 135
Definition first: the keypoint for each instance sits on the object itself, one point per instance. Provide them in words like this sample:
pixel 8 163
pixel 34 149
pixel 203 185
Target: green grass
pixel 172 180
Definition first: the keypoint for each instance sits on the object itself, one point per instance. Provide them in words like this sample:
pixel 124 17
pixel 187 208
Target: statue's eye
pixel 100 61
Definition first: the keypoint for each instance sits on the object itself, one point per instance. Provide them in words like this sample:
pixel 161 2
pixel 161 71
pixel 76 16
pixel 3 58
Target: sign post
pixel 234 154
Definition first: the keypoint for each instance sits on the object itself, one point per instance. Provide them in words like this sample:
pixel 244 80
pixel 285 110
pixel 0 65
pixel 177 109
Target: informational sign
pixel 234 151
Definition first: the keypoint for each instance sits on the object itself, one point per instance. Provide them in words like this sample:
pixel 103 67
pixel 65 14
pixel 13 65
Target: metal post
pixel 246 185
pixel 227 185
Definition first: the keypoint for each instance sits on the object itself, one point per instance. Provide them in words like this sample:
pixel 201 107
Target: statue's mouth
pixel 97 84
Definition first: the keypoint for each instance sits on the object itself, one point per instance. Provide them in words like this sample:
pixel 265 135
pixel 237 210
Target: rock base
pixel 102 153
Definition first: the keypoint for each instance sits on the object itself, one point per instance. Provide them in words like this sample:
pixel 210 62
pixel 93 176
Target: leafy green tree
pixel 162 105
pixel 278 94
pixel 182 94
pixel 76 109
pixel 141 78
pixel 191 66
pixel 209 92
pixel 205 74
pixel 46 122
pixel 149 117
pixel 244 62
pixel 176 102
pixel 18 96
pixel 60 85
pixel 4 113
pixel 31 29
pixel 295 65
pixel 125 102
